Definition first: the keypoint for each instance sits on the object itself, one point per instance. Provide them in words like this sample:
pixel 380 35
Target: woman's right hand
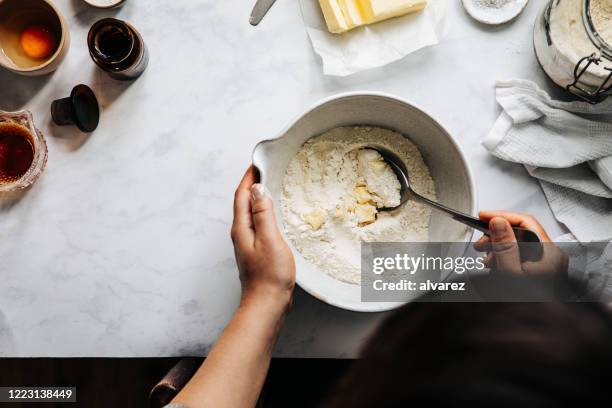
pixel 504 250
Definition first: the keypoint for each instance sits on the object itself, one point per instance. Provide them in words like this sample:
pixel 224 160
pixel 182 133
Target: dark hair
pixel 498 354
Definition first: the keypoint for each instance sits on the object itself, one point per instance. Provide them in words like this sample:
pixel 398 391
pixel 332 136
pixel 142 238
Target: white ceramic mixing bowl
pixel 448 165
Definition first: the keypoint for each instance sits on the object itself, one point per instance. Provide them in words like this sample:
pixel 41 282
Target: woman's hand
pixel 504 251
pixel 266 264
pixel 235 370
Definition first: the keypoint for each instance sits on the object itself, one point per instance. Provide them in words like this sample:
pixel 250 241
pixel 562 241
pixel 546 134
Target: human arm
pixel 234 371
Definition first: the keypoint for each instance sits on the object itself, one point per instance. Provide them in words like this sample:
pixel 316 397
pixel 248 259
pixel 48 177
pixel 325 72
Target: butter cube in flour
pixel 344 15
pixel 362 195
pixel 341 212
pixel 378 165
pixel 366 214
pixel 315 218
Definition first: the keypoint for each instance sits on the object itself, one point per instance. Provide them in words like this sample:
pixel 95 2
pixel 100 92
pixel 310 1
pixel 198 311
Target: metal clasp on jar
pixel 590 95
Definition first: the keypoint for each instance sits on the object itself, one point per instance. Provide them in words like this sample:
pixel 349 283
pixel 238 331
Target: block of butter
pixel 344 15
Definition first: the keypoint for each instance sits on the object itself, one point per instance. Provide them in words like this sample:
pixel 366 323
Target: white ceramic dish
pixel 448 165
pixel 492 15
pixel 105 4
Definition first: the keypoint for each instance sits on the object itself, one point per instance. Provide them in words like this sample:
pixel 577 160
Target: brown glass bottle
pixel 117 48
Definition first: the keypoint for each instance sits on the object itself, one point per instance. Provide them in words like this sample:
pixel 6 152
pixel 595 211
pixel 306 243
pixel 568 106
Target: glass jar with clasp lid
pixel 573 44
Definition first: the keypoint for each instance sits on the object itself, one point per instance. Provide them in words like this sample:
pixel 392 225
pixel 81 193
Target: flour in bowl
pixel 334 188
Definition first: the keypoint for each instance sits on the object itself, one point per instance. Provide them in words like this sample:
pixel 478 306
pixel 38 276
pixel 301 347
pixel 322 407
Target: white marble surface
pixel 123 249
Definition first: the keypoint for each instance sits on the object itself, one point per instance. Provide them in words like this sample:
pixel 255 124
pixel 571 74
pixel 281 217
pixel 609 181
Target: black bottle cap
pixel 80 108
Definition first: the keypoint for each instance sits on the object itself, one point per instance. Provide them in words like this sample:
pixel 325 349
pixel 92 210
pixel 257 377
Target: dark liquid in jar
pixel 118 48
pixel 16 152
pixel 114 43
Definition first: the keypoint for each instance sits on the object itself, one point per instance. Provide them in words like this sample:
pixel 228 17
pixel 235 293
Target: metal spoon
pixel 529 252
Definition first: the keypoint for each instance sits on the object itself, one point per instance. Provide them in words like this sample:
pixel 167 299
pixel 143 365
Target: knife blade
pixel 260 10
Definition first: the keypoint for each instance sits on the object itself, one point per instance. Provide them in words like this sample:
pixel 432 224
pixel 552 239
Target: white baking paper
pixel 374 45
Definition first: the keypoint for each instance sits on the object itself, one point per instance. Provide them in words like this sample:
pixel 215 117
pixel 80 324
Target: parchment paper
pixel 374 45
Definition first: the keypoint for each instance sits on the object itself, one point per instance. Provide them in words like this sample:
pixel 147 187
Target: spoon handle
pixel 530 246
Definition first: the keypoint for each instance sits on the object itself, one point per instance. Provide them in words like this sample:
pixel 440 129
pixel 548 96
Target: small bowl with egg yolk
pixel 34 36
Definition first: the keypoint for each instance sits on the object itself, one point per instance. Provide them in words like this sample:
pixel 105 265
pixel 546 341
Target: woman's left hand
pixel 235 370
pixel 266 264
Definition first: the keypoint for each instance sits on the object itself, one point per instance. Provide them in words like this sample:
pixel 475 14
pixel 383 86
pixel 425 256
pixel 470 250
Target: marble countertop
pixel 122 248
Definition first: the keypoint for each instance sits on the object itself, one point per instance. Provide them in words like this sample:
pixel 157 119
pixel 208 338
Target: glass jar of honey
pixel 23 151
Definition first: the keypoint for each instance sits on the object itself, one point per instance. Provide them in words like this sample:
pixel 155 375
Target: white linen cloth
pixel 375 45
pixel 567 146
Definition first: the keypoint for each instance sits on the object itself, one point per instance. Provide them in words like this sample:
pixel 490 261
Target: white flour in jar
pixel 601 14
pixel 333 189
pixel 570 35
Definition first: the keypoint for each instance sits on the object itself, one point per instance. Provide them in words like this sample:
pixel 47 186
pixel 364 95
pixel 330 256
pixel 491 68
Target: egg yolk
pixel 38 42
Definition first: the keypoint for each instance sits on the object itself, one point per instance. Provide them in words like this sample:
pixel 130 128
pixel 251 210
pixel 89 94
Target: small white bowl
pixel 105 4
pixel 492 15
pixel 449 167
